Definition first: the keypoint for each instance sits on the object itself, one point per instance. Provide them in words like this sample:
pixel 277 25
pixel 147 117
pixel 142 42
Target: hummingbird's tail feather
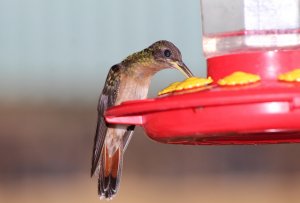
pixel 110 173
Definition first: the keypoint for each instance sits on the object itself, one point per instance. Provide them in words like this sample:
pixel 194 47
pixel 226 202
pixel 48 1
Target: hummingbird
pixel 127 80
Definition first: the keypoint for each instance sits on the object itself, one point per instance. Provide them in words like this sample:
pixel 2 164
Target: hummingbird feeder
pixel 252 93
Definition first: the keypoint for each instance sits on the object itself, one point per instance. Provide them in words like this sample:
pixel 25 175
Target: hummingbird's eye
pixel 167 53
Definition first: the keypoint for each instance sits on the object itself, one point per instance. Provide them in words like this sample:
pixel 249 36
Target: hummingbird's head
pixel 167 55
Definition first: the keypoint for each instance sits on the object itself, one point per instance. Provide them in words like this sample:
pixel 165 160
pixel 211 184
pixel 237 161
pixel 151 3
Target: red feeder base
pixel 260 113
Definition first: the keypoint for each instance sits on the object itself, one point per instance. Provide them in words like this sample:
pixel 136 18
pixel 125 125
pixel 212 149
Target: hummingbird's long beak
pixel 179 65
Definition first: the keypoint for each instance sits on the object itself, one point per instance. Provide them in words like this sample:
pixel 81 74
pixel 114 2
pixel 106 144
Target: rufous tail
pixel 110 173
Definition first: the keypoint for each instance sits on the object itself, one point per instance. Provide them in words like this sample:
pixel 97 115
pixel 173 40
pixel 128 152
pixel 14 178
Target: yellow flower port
pixel 186 84
pixel 238 78
pixel 291 76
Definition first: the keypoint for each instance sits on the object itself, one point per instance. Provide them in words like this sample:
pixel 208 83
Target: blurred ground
pixel 45 154
pixel 223 188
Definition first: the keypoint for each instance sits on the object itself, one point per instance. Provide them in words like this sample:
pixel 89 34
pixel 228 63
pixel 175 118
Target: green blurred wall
pixel 61 50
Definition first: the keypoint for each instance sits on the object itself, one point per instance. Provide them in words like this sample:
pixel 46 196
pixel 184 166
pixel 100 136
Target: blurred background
pixel 54 56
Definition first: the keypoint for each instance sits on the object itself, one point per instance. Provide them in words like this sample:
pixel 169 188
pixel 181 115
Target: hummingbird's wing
pixel 107 99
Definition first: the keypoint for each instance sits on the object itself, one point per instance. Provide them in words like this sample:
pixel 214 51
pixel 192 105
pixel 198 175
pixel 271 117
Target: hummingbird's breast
pixel 132 88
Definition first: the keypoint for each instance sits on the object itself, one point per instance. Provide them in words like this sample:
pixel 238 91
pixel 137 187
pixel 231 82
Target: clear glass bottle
pixel 237 26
